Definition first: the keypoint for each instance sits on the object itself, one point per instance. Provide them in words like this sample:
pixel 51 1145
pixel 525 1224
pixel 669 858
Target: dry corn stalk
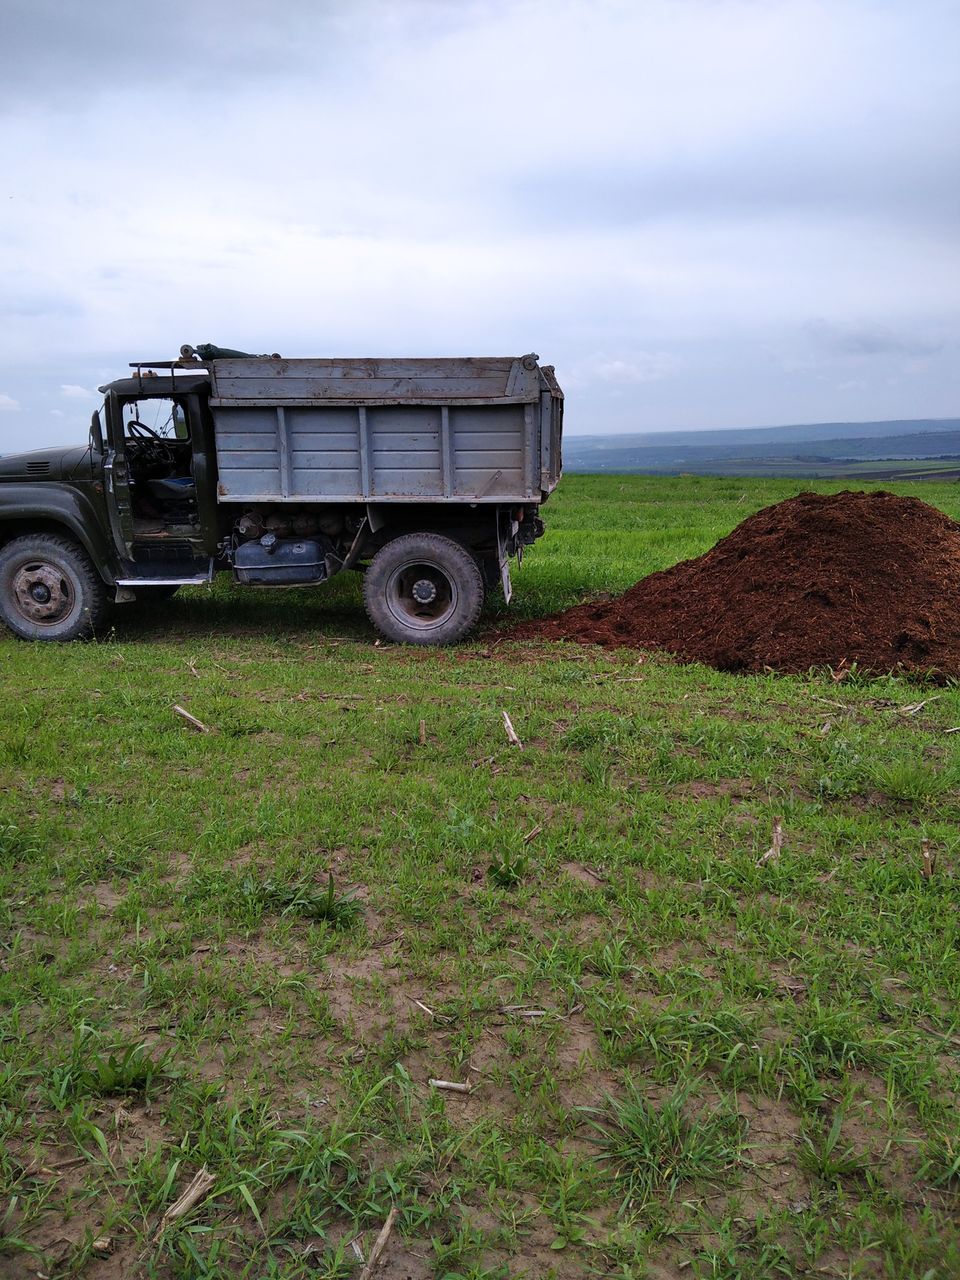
pixel 192 721
pixel 929 859
pixel 379 1244
pixel 776 844
pixel 511 732
pixel 451 1086
pixel 195 1192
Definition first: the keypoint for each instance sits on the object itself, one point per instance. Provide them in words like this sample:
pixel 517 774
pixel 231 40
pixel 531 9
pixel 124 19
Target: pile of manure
pixel 819 580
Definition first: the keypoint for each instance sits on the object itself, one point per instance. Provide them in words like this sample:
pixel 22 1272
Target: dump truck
pixel 425 475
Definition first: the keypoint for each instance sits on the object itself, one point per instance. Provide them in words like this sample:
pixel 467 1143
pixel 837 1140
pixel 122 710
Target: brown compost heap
pixel 870 579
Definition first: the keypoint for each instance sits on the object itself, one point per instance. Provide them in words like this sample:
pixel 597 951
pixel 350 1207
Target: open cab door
pixel 116 479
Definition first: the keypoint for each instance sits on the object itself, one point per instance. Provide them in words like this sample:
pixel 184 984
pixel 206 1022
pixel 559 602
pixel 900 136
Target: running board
pixel 170 579
pixel 162 582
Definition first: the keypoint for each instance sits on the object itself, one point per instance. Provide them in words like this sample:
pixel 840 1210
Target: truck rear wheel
pixel 49 590
pixel 423 588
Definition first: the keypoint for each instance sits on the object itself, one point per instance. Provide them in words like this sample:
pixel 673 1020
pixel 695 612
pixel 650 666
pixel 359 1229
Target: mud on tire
pixel 423 588
pixel 49 590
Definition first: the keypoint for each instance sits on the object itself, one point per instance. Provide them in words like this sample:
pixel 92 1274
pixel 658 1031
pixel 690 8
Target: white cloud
pixel 56 413
pixel 645 366
pixel 8 403
pixel 623 370
pixel 657 202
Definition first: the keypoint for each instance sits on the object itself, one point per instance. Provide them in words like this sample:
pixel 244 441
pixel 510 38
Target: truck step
pixel 171 573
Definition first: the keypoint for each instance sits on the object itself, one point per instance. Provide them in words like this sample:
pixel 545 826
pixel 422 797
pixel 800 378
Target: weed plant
pixel 340 911
pixel 657 1147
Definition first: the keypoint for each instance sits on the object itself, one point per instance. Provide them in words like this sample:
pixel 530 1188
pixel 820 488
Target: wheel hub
pixel 42 592
pixel 421 594
pixel 424 591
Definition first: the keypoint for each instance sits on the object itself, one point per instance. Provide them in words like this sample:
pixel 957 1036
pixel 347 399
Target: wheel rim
pixel 422 595
pixel 43 593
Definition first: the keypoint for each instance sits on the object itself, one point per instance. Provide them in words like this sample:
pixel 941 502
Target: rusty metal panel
pixel 254 402
pixel 324 452
pixel 248 453
pixel 278 390
pixel 367 366
pixel 551 431
pixel 446 452
pixel 547 482
pixel 488 451
pixel 406 451
pixel 375 380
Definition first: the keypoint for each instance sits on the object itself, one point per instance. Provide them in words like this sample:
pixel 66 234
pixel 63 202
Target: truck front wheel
pixel 423 588
pixel 49 590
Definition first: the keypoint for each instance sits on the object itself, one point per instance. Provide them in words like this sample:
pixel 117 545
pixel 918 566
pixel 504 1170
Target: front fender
pixel 38 505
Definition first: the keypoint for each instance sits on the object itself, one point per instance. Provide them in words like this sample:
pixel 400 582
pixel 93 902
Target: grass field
pixel 249 952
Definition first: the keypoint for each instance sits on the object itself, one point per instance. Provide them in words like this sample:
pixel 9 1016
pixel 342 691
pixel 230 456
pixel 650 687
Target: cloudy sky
pixel 705 213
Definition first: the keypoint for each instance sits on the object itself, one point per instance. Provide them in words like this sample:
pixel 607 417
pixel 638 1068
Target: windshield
pixel 158 417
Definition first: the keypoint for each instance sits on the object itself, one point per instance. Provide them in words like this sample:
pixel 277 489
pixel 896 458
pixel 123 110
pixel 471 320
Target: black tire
pixel 423 588
pixel 49 590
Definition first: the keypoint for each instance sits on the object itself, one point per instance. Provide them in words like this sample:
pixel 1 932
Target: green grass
pixel 251 951
pixel 657 1147
pixel 341 911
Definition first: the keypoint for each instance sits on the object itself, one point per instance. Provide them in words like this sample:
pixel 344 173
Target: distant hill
pixel 882 450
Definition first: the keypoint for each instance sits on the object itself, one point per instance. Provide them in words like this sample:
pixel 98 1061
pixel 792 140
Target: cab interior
pixel 163 491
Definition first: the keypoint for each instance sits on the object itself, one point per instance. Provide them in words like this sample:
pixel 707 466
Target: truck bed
pixel 386 430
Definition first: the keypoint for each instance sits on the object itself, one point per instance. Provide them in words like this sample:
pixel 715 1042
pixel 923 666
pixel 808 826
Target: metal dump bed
pixel 386 430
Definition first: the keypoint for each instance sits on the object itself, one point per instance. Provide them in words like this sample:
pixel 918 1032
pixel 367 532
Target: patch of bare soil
pixel 583 874
pixel 107 897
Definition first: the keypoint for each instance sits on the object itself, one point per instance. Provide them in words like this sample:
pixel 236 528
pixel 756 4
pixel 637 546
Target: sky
pixel 704 213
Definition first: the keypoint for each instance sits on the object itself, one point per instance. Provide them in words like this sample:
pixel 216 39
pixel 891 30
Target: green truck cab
pixel 425 475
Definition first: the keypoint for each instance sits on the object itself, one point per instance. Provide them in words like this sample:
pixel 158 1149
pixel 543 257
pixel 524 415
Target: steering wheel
pixel 139 429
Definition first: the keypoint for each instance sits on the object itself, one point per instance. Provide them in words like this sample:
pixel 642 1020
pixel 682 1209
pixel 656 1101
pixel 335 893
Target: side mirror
pixel 96 432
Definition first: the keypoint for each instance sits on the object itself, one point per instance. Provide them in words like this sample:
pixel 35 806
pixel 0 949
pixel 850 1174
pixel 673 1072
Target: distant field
pixel 682 1063
pixel 785 468
pixel 892 450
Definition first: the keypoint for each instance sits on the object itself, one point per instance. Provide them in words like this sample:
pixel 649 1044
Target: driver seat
pixel 173 489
